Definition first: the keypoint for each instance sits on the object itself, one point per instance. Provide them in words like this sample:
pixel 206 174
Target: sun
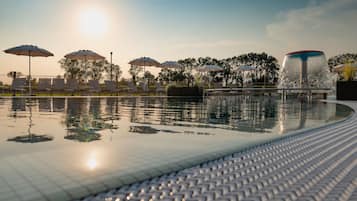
pixel 93 22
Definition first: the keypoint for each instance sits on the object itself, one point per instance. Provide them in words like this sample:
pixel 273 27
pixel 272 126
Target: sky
pixel 172 29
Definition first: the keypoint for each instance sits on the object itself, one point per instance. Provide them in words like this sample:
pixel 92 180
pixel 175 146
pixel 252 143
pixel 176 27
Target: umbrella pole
pixel 30 119
pixel 111 66
pixel 145 81
pixel 30 80
pixel 209 79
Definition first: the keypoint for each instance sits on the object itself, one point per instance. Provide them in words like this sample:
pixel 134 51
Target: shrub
pixel 184 91
pixel 348 72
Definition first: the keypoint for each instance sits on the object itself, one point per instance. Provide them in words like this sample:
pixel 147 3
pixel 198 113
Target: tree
pixel 116 72
pixel 188 65
pixel 95 69
pixel 165 75
pixel 83 70
pixel 216 76
pixel 14 74
pixel 267 66
pixel 227 70
pixel 73 68
pixel 149 77
pixel 134 72
pixel 342 59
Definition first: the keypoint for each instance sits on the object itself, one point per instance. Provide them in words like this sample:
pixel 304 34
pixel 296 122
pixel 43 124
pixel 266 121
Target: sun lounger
pixel 94 86
pixel 44 84
pixel 71 85
pixel 58 84
pixel 111 86
pixel 18 84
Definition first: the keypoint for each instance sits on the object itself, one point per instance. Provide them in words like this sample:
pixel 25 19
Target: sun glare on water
pixel 93 22
pixel 92 162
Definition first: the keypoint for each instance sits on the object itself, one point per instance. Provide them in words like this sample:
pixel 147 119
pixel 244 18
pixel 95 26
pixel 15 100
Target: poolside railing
pixel 284 92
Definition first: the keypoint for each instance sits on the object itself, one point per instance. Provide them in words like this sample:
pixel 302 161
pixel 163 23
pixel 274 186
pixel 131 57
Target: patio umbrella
pixel 84 55
pixel 246 68
pixel 171 64
pixel 209 68
pixel 30 51
pixel 144 61
pixel 341 67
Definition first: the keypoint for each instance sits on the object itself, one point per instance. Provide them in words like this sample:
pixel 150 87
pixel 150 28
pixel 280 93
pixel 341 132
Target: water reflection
pixel 29 137
pixel 84 124
pixel 58 104
pixel 143 130
pixel 17 105
pixel 92 162
pixel 44 105
pixel 87 119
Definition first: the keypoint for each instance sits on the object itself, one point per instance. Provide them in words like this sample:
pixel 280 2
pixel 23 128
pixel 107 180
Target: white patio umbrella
pixel 209 68
pixel 84 55
pixel 30 51
pixel 171 64
pixel 246 68
pixel 144 61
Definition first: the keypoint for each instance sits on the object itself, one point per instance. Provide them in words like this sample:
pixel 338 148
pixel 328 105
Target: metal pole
pixel 30 91
pixel 111 66
pixel 265 77
pixel 303 74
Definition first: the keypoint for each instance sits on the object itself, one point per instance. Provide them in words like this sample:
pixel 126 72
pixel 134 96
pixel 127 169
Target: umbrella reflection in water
pixel 31 137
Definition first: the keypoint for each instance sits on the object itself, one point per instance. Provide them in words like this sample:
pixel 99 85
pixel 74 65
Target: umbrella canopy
pixel 30 51
pixel 209 68
pixel 171 64
pixel 341 67
pixel 145 61
pixel 246 68
pixel 84 55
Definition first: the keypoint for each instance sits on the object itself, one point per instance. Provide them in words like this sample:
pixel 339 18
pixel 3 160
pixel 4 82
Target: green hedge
pixel 184 91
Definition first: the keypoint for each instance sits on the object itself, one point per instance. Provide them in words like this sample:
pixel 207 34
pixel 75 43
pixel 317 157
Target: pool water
pixel 67 148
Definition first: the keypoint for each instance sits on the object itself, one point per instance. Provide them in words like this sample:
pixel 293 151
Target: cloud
pixel 325 25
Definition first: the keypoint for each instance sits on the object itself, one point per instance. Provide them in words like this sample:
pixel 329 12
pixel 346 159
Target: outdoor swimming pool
pixel 67 148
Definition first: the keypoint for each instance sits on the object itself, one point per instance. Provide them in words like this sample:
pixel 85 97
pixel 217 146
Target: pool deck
pixel 315 164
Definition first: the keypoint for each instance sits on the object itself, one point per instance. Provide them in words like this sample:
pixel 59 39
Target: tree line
pixel 267 69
